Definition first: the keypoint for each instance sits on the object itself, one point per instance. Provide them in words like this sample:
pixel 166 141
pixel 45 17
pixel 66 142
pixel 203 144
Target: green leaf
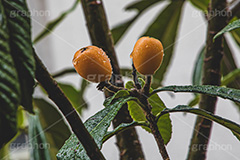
pixel 229 27
pixel 122 127
pixel 201 4
pixel 97 126
pixel 198 68
pixel 234 127
pixel 53 24
pixel 165 28
pixel 37 140
pixel 136 112
pixel 75 96
pixel 19 25
pixel 53 124
pixel 230 77
pixel 9 86
pixel 140 7
pixel 227 93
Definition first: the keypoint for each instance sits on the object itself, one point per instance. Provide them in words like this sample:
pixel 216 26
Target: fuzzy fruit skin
pixel 92 64
pixel 147 55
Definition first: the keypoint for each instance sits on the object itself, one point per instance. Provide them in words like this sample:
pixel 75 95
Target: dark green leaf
pixel 9 86
pixel 75 96
pixel 37 140
pixel 229 27
pixel 227 93
pixel 97 126
pixel 140 7
pixel 122 127
pixel 201 4
pixel 165 28
pixel 136 112
pixel 55 129
pixel 53 24
pixel 197 73
pixel 224 122
pixel 19 26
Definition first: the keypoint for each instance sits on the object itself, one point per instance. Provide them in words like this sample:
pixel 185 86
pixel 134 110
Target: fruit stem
pixel 135 78
pixel 110 87
pixel 153 126
pixel 146 106
pixel 147 86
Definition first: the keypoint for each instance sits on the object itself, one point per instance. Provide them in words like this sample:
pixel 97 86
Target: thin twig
pixel 154 128
pixel 147 85
pixel 110 87
pixel 135 78
pixel 234 9
pixel 62 102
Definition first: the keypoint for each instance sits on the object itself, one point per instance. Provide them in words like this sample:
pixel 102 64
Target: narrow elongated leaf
pixel 97 126
pixel 9 86
pixel 198 68
pixel 55 129
pixel 140 7
pixel 226 93
pixel 201 4
pixel 229 27
pixel 53 24
pixel 19 26
pixel 165 28
pixel 39 145
pixel 234 127
pixel 136 112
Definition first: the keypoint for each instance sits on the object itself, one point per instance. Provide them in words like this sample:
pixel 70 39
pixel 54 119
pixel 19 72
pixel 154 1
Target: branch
pixel 234 9
pixel 147 86
pixel 211 76
pixel 153 126
pixel 58 97
pixel 135 78
pixel 127 141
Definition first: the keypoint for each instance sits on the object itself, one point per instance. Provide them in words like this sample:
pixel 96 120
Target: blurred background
pixel 57 49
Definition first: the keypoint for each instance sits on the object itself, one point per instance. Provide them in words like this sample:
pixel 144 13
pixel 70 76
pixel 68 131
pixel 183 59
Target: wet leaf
pixel 96 125
pixel 19 26
pixel 9 86
pixel 231 26
pixel 234 127
pixel 226 93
